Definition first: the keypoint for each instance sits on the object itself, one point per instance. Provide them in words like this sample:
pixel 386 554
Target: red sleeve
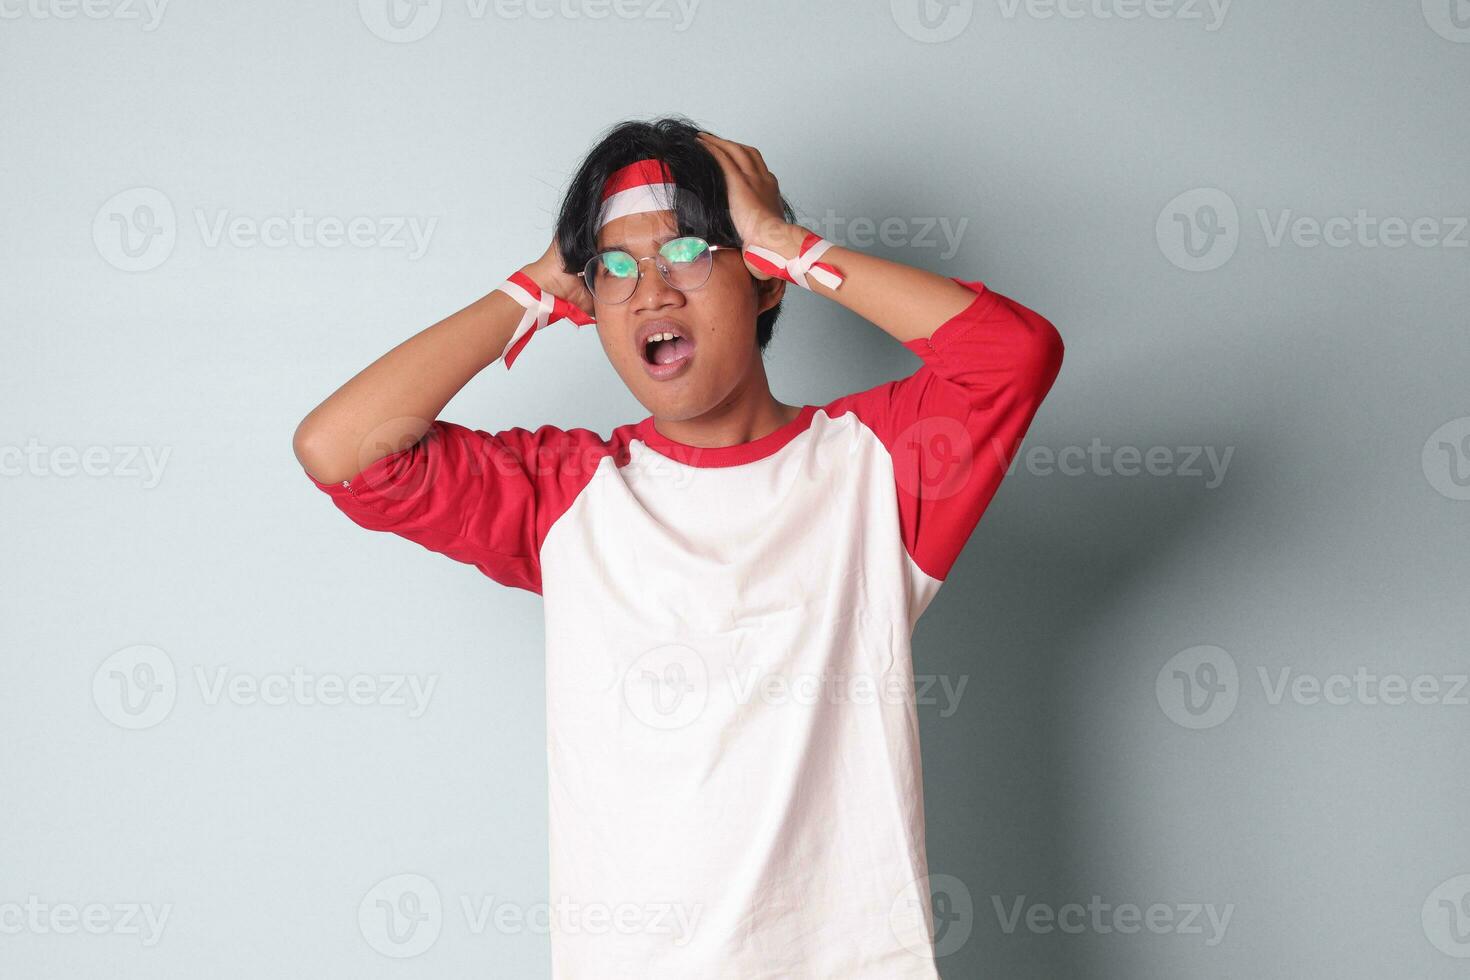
pixel 481 498
pixel 953 426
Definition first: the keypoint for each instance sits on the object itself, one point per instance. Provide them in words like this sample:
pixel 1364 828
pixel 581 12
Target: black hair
pixel 701 206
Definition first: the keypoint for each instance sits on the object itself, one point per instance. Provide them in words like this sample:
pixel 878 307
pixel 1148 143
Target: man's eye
pixel 619 264
pixel 684 249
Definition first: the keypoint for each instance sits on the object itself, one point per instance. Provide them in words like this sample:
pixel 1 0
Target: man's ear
pixel 768 292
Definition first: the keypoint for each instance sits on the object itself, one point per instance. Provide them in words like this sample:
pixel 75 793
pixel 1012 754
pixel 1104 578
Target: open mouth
pixel 666 347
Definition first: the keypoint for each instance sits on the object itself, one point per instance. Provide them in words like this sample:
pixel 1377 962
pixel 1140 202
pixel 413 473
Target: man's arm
pixel 906 302
pixel 389 405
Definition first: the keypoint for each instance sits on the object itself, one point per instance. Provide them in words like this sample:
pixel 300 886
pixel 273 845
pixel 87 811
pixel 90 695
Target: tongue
pixel 668 351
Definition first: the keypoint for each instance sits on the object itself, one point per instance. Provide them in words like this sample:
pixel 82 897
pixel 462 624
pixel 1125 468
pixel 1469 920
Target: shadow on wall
pixel 1044 571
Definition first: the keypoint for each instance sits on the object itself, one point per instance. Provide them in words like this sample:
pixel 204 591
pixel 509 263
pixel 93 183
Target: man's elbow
pixel 317 455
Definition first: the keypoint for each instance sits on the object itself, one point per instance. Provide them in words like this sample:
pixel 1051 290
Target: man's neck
pixel 741 418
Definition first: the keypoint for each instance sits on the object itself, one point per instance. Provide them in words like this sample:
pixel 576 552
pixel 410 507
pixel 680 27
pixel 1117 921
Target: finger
pixel 723 151
pixel 750 160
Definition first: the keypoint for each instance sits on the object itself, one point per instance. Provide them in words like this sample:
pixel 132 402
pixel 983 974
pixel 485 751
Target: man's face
pixel 717 322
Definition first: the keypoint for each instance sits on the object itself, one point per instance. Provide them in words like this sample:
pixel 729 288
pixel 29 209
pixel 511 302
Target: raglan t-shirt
pixel 732 734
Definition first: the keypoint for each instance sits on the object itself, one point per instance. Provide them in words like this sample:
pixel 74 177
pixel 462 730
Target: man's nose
pixel 652 290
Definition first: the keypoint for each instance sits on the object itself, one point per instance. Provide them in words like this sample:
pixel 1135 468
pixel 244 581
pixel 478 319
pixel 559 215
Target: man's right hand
pixel 550 274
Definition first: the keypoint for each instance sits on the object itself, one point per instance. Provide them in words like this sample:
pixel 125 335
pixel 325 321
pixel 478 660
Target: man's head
pixel 726 323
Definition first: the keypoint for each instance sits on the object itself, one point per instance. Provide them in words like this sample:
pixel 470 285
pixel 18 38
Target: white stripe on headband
pixel 637 200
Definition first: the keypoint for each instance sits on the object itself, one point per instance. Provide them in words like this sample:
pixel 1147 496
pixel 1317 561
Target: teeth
pixel 666 335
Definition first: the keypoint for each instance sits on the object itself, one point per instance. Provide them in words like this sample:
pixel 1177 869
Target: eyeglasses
pixel 685 263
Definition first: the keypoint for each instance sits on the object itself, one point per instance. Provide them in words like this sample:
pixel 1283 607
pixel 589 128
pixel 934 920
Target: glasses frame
pixel 639 263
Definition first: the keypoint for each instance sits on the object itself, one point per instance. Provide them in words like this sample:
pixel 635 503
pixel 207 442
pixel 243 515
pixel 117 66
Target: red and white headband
pixel 639 187
pixel 642 186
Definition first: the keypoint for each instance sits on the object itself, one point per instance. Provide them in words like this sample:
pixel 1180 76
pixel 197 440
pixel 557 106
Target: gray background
pixel 1334 376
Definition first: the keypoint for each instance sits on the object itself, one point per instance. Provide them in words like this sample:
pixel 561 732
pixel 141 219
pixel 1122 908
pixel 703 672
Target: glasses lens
pixel 686 262
pixel 612 276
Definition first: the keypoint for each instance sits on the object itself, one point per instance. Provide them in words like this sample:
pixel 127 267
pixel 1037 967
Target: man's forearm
pixel 907 302
pixel 389 405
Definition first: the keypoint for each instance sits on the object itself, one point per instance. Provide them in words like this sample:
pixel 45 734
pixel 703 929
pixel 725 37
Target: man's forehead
pixel 644 228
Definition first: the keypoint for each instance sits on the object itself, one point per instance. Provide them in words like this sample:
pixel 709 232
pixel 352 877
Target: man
pixel 731 583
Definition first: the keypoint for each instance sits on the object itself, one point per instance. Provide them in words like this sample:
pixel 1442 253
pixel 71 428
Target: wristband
pixel 542 308
pixel 796 270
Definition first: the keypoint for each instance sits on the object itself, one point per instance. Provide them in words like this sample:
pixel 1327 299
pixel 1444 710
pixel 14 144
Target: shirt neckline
pixel 735 455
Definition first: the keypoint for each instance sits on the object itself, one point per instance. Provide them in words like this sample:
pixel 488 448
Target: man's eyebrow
pixel 619 246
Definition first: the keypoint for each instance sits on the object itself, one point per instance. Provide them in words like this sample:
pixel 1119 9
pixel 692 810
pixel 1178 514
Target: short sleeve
pixel 485 499
pixel 953 426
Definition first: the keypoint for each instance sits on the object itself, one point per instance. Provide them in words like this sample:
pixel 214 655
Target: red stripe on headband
pixel 638 174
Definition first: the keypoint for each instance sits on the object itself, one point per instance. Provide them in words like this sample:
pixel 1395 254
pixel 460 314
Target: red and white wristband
pixel 798 269
pixel 542 309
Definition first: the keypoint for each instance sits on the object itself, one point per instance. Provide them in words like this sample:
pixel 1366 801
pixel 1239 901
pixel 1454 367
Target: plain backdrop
pixel 1201 653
